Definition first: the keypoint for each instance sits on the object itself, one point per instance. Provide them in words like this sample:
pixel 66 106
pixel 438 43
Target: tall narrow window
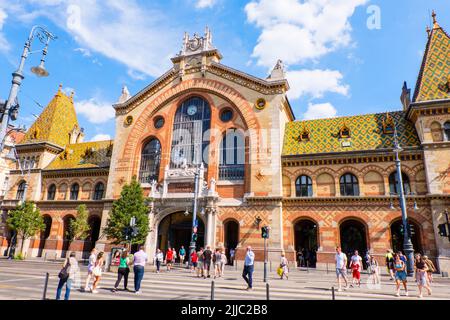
pixel 51 192
pixel 98 191
pixel 232 156
pixel 303 187
pixel 393 183
pixel 74 189
pixel 191 133
pixel 21 191
pixel 349 185
pixel 447 130
pixel 150 161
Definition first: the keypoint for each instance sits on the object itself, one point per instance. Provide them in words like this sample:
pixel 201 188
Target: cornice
pixel 103 171
pixel 55 204
pixel 38 147
pixel 350 200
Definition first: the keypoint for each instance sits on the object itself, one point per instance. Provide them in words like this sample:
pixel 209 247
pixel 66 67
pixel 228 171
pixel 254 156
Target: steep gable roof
pixel 54 123
pixel 434 75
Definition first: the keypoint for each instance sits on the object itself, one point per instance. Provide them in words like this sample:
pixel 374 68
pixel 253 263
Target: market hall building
pixel 317 183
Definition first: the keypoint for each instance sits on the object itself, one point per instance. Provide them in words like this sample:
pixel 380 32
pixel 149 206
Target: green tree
pixel 26 220
pixel 131 203
pixel 79 227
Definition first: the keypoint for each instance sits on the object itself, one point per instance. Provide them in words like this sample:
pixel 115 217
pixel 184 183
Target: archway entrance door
pixel 231 237
pixel 397 236
pixel 44 234
pixel 175 231
pixel 353 237
pixel 305 233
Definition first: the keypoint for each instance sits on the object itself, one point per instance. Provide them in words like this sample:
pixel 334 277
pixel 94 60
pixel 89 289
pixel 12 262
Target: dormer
pixel 388 124
pixel 344 131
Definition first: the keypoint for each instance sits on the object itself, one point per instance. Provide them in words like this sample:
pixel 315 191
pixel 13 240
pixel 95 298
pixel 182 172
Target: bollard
pixel 332 294
pixel 44 295
pixel 327 267
pixel 267 291
pixel 212 290
pixel 270 266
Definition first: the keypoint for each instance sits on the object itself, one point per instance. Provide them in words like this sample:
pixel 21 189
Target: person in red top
pixel 356 271
pixel 194 259
pixel 169 259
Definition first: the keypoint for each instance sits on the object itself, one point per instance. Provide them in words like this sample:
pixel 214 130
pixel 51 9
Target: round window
pixel 226 115
pixel 158 122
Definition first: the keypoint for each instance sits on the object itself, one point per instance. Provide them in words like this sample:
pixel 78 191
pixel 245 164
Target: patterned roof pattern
pixel 434 75
pixel 54 123
pixel 366 133
pixel 95 154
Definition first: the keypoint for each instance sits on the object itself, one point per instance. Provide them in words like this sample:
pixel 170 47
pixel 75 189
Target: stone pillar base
pixel 443 264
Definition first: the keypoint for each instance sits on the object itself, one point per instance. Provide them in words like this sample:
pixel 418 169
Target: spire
pixel 278 72
pixel 125 95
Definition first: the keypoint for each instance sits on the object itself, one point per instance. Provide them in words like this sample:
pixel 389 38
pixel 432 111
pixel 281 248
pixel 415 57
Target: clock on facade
pixel 191 110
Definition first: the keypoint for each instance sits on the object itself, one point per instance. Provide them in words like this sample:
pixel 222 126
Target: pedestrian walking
pixel 200 266
pixel 194 260
pixel 223 262
pixel 67 276
pixel 97 271
pixel 123 271
pixel 91 265
pixel 400 274
pixel 169 259
pixel 140 258
pixel 374 270
pixel 182 254
pixel 159 258
pixel 341 268
pixel 284 266
pixel 421 275
pixel 232 253
pixel 431 269
pixel 217 259
pixel 390 263
pixel 247 273
pixel 356 273
pixel 174 252
pixel 207 257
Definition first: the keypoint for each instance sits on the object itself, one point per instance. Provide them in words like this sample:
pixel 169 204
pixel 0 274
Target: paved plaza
pixel 24 280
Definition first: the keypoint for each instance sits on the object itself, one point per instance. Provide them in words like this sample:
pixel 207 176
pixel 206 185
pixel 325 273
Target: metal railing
pixel 231 172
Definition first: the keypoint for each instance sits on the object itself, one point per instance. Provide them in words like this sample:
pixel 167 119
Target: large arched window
pixel 150 161
pixel 393 183
pixel 98 191
pixel 232 156
pixel 447 130
pixel 349 185
pixel 191 133
pixel 21 191
pixel 74 189
pixel 303 187
pixel 51 192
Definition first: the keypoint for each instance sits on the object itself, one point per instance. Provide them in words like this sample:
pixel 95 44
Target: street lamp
pixel 10 109
pixel 192 246
pixel 407 244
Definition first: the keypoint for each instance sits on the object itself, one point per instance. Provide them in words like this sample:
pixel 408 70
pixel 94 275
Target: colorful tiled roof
pixel 55 123
pixel 83 155
pixel 434 76
pixel 366 133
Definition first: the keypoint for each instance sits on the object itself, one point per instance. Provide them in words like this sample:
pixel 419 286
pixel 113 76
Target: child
pixel 356 273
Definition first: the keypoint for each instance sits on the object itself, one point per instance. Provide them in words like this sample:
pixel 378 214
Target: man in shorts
pixel 341 268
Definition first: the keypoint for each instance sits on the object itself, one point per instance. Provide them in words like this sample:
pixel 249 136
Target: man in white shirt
pixel 341 267
pixel 247 274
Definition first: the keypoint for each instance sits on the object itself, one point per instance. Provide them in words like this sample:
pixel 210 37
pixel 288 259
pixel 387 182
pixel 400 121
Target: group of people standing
pixel 202 260
pixel 70 272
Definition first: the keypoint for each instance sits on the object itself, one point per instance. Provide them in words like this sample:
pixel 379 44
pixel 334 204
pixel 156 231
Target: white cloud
pixel 95 111
pixel 296 31
pixel 315 83
pixel 201 4
pixel 135 75
pixel 85 52
pixel 319 111
pixel 4 44
pixel 101 137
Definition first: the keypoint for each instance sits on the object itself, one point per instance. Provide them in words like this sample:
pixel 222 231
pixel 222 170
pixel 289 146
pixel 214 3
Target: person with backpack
pixel 67 276
pixel 97 271
pixel 159 258
pixel 123 271
pixel 431 269
pixel 217 258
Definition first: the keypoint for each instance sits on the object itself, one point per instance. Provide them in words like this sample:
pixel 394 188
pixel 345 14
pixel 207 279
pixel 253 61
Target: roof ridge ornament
pixel 435 23
pixel 125 95
pixel 197 44
pixel 278 72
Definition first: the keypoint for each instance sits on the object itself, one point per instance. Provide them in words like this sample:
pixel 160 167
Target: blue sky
pixel 336 64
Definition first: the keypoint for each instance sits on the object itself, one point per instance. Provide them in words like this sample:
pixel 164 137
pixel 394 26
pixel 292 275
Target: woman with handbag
pixel 123 271
pixel 284 267
pixel 97 272
pixel 67 275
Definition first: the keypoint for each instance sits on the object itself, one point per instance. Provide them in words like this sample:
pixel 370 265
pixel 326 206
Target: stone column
pixel 150 243
pixel 210 228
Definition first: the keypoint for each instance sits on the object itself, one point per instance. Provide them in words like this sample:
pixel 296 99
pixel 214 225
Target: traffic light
pixel 134 231
pixel 443 230
pixel 265 232
pixel 194 237
pixel 127 232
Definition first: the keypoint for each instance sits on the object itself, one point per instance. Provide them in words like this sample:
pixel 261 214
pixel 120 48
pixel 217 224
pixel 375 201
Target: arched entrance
pixel 94 232
pixel 353 237
pixel 231 237
pixel 397 236
pixel 44 234
pixel 66 235
pixel 305 237
pixel 175 231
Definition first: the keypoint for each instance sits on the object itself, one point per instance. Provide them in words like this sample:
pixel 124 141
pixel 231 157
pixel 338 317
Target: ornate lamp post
pixel 192 245
pixel 407 244
pixel 10 109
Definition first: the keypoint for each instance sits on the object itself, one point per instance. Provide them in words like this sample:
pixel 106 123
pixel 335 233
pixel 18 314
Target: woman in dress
pixel 374 269
pixel 97 272
pixel 400 274
pixel 284 266
pixel 421 274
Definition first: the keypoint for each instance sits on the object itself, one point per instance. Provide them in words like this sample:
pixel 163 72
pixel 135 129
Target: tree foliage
pixel 79 227
pixel 131 203
pixel 26 220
